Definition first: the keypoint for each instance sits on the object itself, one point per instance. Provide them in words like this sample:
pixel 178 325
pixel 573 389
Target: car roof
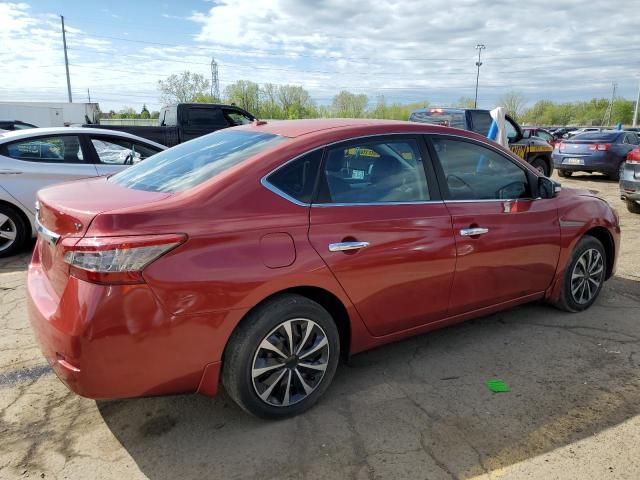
pixel 10 136
pixel 298 128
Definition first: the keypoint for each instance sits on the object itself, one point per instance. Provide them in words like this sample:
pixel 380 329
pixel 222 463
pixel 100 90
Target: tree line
pixel 271 101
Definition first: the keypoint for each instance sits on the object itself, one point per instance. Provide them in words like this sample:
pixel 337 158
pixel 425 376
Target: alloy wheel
pixel 587 275
pixel 8 232
pixel 290 362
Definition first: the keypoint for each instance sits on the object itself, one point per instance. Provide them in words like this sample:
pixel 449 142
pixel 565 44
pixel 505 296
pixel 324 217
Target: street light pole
pixel 479 47
pixel 635 111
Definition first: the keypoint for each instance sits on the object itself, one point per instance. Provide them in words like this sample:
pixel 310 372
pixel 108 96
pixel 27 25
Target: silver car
pixel 35 158
pixel 630 181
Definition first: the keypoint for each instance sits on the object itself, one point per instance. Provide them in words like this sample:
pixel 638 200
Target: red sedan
pixel 257 256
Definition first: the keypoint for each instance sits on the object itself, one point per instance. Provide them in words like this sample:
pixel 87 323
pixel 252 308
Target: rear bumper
pixel 116 341
pixel 630 182
pixel 603 162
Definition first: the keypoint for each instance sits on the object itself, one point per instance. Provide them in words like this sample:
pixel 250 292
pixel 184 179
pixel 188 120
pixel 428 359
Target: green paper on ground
pixel 497 386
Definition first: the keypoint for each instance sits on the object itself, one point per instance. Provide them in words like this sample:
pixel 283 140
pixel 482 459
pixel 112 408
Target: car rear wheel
pixel 565 173
pixel 584 276
pixel 541 165
pixel 633 206
pixel 282 357
pixel 13 231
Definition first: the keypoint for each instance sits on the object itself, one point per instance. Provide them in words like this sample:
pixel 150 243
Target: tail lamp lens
pixel 118 259
pixel 600 146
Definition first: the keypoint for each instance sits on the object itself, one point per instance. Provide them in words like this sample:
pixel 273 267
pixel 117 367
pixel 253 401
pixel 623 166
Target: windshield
pixel 439 116
pixel 194 162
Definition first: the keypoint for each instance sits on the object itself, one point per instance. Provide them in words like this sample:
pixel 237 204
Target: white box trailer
pixel 50 114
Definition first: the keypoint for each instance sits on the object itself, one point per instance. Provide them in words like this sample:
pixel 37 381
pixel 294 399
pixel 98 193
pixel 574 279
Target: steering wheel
pixel 465 184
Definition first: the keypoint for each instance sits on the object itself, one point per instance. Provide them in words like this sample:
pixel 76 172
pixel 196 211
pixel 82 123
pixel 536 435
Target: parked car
pixel 33 159
pixel 15 125
pixel 528 132
pixel 578 131
pixel 603 152
pixel 186 121
pixel 260 255
pixel 533 150
pixel 630 181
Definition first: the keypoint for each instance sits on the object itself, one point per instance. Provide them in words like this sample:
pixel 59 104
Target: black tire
pixel 565 173
pixel 575 302
pixel 541 165
pixel 11 224
pixel 244 351
pixel 633 206
pixel 617 173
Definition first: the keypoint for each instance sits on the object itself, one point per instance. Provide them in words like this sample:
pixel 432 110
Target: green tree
pixel 183 87
pixel 349 105
pixel 155 114
pixel 145 113
pixel 295 102
pixel 514 103
pixel 465 102
pixel 245 94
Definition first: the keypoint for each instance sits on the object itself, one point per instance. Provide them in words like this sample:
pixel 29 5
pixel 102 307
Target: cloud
pixel 408 50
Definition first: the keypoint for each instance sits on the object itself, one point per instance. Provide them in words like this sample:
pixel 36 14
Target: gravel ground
pixel 418 409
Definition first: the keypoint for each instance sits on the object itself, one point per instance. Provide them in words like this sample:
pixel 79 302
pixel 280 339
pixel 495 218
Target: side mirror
pixel 547 188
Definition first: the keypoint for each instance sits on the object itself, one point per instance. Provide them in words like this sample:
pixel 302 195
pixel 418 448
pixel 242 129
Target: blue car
pixel 603 152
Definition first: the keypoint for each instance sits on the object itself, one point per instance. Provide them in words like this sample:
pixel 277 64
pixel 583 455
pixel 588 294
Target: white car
pixel 35 158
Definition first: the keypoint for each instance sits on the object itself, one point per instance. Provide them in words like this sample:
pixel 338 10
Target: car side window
pixel 237 118
pixel 630 138
pixel 512 133
pixel 298 177
pixel 481 121
pixel 116 151
pixel 475 172
pixel 374 172
pixel 58 149
pixel 206 117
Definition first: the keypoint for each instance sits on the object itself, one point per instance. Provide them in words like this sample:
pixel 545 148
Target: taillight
pixel 118 260
pixel 633 156
pixel 600 146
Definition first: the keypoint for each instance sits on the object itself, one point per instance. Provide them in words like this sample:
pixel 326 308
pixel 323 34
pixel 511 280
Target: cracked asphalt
pixel 417 409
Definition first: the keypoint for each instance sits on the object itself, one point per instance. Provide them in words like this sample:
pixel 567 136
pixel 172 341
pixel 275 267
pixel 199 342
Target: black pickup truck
pixel 185 121
pixel 533 149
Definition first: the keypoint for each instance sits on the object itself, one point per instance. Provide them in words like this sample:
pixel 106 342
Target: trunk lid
pixel 66 211
pixel 577 147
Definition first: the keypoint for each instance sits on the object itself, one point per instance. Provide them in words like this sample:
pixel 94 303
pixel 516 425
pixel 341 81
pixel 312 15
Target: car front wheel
pixel 541 165
pixel 282 357
pixel 584 276
pixel 13 231
pixel 565 173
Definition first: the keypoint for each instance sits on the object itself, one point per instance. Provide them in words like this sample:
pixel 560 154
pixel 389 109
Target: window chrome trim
pixel 265 183
pixel 372 204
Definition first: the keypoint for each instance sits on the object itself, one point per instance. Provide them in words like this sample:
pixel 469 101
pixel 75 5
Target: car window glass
pixel 237 118
pixel 481 121
pixel 526 133
pixel 192 163
pixel 545 136
pixel 297 178
pixel 22 126
pixel 512 133
pixel 206 117
pixel 116 151
pixel 475 172
pixel 60 149
pixel 375 172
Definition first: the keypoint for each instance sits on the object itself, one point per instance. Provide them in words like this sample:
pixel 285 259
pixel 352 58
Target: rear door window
pixel 297 178
pixel 385 171
pixel 120 151
pixel 480 121
pixel 55 149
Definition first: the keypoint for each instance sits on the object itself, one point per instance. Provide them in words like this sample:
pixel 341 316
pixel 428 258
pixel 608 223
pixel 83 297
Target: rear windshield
pixel 439 116
pixel 600 136
pixel 192 163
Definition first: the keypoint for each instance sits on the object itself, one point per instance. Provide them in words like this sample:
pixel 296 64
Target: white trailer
pixel 50 114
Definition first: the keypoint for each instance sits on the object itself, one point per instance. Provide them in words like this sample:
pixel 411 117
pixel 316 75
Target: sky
pixel 406 50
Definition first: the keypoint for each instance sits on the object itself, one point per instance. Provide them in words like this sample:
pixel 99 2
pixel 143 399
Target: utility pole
pixel 635 111
pixel 479 47
pixel 89 95
pixel 66 59
pixel 215 81
pixel 609 112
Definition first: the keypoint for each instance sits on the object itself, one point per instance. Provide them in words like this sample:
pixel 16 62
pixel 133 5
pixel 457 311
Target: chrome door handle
pixel 472 232
pixel 10 172
pixel 344 246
